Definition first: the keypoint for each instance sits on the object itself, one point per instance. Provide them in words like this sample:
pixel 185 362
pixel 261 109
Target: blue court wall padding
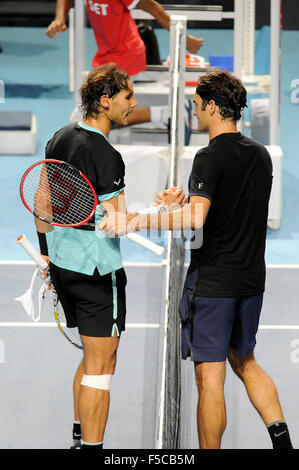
pixel 18 133
pixel 15 120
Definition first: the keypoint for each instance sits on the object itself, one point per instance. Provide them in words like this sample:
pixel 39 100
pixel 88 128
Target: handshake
pixel 173 198
pixel 117 224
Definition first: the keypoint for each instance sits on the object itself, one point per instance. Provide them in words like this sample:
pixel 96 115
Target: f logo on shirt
pixel 98 8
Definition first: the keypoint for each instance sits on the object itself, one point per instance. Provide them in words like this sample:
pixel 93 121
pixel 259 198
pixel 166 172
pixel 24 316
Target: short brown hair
pixel 108 79
pixel 226 90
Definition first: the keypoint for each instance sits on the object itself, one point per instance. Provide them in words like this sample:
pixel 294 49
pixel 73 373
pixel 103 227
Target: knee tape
pixel 101 382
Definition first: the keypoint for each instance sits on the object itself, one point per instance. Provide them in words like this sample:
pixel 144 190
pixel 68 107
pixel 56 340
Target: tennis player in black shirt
pixel 229 191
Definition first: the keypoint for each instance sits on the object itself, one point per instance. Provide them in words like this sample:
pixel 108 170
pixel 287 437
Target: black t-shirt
pixel 90 152
pixel 235 173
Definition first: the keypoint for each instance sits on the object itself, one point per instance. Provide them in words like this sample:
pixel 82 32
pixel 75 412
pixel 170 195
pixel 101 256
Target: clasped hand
pixel 117 224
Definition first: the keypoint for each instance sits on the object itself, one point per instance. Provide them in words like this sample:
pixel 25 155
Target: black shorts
pixel 95 304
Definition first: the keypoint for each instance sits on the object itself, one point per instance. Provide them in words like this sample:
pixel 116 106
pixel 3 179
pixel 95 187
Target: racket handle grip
pixel 149 245
pixel 25 243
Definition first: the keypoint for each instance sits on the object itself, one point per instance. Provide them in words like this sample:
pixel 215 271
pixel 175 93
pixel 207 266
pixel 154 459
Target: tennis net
pixel 169 411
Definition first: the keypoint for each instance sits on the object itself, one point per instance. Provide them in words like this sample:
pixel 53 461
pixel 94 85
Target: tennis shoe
pixel 76 444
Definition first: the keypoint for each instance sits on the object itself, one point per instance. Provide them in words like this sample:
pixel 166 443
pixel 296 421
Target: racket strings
pixel 61 186
pixel 56 192
pixel 71 333
pixel 57 195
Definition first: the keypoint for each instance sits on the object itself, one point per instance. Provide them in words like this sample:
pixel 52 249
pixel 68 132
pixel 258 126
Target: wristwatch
pixel 163 209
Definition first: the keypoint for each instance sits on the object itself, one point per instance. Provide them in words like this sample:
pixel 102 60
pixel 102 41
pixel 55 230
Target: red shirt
pixel 116 34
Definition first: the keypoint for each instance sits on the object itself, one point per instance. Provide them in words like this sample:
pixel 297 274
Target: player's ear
pixel 212 107
pixel 104 102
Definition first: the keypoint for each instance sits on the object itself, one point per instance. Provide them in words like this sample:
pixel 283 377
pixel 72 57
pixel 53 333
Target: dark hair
pixel 226 90
pixel 106 79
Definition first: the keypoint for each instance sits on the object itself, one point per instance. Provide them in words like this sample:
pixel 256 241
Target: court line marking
pixel 129 325
pixel 137 325
pixel 141 264
pixel 53 324
pixel 279 327
pixel 284 266
pixel 125 264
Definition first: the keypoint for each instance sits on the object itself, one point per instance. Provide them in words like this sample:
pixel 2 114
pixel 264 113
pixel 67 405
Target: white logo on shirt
pixel 117 182
pixel 98 8
pixel 200 185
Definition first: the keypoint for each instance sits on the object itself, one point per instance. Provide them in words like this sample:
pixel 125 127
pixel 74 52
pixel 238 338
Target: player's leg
pixel 63 279
pixel 76 424
pixel 100 311
pixel 206 331
pixel 99 365
pixel 211 411
pixel 260 387
pixel 262 393
pixel 76 389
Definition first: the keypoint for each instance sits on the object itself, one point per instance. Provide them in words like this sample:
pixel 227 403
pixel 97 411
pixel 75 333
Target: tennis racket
pixel 59 194
pixel 71 334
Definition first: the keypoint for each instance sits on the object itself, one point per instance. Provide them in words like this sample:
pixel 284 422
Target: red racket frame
pixel 83 222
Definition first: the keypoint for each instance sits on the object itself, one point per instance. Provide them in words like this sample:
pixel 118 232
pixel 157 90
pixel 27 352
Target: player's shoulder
pixel 254 144
pixel 58 144
pixel 98 146
pixel 99 152
pixel 77 141
pixel 65 131
pixel 256 151
pixel 64 136
pixel 206 153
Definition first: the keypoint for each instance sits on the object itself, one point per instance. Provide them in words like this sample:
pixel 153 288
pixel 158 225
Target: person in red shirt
pixel 116 32
pixel 119 41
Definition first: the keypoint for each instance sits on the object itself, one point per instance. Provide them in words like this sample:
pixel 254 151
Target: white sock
pixel 91 443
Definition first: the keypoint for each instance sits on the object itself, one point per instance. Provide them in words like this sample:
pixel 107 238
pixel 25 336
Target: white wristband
pixel 149 210
pixel 159 114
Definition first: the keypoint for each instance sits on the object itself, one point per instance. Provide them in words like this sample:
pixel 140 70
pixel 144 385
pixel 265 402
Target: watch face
pixel 163 209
